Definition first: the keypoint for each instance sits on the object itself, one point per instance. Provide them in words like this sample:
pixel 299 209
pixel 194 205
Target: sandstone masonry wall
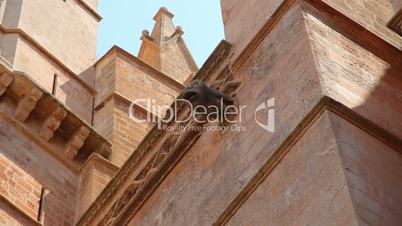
pixel 219 165
pixel 308 187
pixel 120 79
pixel 34 168
pixel 304 56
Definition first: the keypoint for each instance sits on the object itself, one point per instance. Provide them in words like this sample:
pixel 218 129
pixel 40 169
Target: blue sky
pixel 124 20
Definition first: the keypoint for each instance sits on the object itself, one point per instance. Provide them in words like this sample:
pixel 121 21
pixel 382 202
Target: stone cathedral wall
pixel 307 50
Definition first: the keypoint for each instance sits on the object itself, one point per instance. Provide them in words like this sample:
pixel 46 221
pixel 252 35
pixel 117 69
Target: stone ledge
pixel 34 111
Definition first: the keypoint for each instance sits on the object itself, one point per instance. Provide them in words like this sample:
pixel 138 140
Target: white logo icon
pixel 270 124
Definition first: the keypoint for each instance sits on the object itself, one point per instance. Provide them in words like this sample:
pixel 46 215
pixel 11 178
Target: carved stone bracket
pixel 59 129
pixel 76 141
pixel 52 123
pixel 27 104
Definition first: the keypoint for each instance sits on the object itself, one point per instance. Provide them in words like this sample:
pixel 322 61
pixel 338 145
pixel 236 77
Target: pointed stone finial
pixel 164 27
pixel 175 60
pixel 163 11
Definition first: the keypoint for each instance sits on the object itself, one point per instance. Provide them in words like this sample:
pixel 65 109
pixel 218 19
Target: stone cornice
pixel 43 50
pixel 46 121
pixel 5 201
pixel 117 49
pixel 156 155
pixel 326 104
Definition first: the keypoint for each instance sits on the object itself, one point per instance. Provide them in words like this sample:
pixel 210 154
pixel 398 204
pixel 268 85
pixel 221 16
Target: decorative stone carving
pixel 27 104
pixel 21 98
pixel 76 142
pixel 52 123
pixel 201 94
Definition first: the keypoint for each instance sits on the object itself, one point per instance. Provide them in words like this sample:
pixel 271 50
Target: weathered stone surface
pixel 52 123
pixel 347 178
pixel 370 78
pixel 18 186
pixel 27 104
pixel 363 79
pixel 40 166
pixel 307 187
pixel 219 165
pixel 240 27
pixel 78 51
pixel 29 46
pixel 372 169
pixel 95 175
pixel 321 166
pixel 121 79
pixel 76 142
pixel 373 15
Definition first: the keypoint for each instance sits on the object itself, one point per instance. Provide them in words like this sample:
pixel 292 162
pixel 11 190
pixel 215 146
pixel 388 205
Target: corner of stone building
pixel 314 51
pixel 95 174
pixel 371 163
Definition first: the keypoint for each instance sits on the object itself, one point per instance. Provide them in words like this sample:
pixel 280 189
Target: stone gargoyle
pixel 199 93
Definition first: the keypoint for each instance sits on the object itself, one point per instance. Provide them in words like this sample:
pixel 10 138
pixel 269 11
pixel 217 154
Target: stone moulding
pixel 157 154
pixel 33 111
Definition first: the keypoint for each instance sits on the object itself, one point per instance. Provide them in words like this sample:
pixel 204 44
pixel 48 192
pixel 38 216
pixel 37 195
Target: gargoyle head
pixel 199 93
